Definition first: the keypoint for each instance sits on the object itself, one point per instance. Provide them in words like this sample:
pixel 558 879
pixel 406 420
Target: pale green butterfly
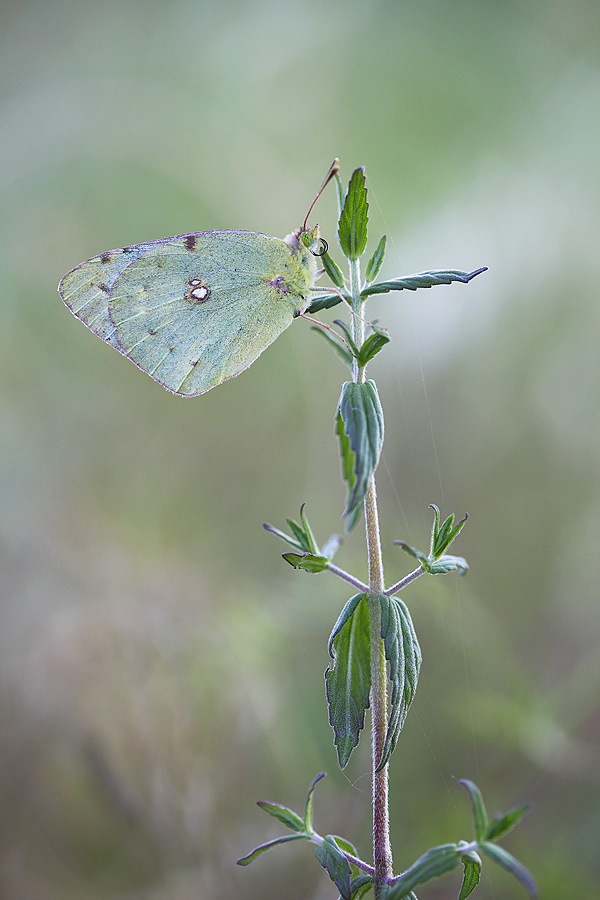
pixel 197 309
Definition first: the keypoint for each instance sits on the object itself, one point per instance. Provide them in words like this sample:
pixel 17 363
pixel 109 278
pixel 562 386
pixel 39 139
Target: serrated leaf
pixel 348 678
pixel 352 228
pixel 360 429
pixel 308 807
pixel 308 562
pixel 287 816
pixel 499 825
pixel 332 270
pixel 435 862
pixel 374 264
pixel 403 654
pixel 342 351
pixel 512 865
pixel 446 564
pixel 372 345
pixel 421 280
pixel 480 816
pixel 471 875
pixel 246 860
pixel 338 868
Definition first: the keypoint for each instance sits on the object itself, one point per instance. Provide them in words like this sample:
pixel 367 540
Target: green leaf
pixel 359 886
pixel 343 617
pixel 480 815
pixel 443 535
pixel 512 865
pixel 360 429
pixel 348 678
pixel 284 537
pixel 289 818
pixel 246 860
pixel 499 825
pixel 374 264
pixel 332 270
pixel 403 653
pixel 418 554
pixel 342 351
pixel 338 868
pixel 308 808
pixel 420 280
pixel 325 300
pixel 308 562
pixel 471 875
pixel 446 564
pixel 352 228
pixel 435 862
pixel 348 334
pixel 372 345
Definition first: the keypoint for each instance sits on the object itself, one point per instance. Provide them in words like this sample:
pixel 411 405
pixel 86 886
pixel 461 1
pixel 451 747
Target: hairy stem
pixel 382 851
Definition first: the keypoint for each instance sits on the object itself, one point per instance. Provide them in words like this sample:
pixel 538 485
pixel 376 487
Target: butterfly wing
pixel 199 309
pixel 86 288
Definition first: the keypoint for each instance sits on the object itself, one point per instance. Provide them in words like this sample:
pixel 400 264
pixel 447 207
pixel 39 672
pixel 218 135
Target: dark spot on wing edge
pixel 190 242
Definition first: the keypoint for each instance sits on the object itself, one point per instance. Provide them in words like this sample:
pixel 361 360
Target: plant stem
pixel 382 851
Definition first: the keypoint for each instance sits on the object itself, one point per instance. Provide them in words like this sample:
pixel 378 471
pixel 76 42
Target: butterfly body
pixel 196 309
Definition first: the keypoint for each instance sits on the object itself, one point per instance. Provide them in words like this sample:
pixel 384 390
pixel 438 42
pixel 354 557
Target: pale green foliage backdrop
pixel 161 667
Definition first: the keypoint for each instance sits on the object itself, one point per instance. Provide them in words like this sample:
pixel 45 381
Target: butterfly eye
pixel 324 247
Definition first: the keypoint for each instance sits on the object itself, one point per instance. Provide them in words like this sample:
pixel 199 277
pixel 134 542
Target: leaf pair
pixel 437 561
pixel 348 678
pixel 311 558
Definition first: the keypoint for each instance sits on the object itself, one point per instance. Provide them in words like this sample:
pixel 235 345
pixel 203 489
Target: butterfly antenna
pixel 333 170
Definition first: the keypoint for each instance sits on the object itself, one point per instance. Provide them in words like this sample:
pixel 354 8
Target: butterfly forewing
pixel 199 309
pixel 86 288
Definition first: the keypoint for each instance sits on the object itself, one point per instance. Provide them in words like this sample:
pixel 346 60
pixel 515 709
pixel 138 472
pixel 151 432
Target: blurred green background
pixel 161 668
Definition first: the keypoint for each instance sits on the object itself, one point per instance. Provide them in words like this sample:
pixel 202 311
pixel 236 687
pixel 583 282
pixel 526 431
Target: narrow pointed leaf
pixel 338 868
pixel 471 875
pixel 344 354
pixel 246 860
pixel 326 300
pixel 348 335
pixel 332 270
pixel 480 815
pixel 372 345
pixel 420 280
pixel 403 653
pixel 308 562
pixel 418 554
pixel 432 864
pixel 499 825
pixel 311 544
pixel 360 429
pixel 284 537
pixel 374 264
pixel 287 816
pixel 512 865
pixel 308 808
pixel 348 678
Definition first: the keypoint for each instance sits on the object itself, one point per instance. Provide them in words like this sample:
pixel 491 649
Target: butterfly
pixel 197 309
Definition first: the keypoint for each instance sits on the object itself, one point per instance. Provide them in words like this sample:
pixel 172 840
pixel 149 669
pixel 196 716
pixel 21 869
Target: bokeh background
pixel 161 667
